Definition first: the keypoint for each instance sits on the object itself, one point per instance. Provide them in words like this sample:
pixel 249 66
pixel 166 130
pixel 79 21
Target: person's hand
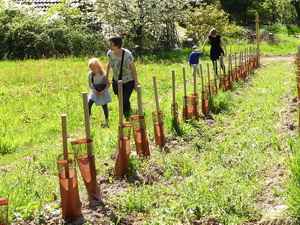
pixel 98 93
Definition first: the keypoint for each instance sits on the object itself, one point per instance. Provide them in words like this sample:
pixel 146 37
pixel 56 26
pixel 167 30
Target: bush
pixel 23 37
pixel 25 34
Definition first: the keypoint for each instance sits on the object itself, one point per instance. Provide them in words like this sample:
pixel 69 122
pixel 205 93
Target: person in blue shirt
pixel 194 59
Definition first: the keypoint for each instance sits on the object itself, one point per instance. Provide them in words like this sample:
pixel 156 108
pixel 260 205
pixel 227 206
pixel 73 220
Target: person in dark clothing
pixel 216 50
pixel 121 62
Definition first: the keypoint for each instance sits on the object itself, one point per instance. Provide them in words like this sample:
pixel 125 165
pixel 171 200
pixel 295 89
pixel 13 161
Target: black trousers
pixel 127 91
pixel 104 107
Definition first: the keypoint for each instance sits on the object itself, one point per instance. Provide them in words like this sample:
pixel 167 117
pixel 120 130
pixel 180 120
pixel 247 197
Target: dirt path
pixel 272 59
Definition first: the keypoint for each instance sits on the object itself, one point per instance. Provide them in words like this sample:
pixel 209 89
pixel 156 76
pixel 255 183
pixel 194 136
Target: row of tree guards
pixel 82 155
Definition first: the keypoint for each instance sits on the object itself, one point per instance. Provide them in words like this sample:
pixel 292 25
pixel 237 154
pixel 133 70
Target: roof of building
pixel 39 4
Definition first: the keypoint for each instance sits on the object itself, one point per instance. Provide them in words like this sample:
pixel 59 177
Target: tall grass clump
pixel 220 103
pixel 6 146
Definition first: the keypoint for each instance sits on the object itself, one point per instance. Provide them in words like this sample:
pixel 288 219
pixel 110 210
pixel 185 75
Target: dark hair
pixel 117 41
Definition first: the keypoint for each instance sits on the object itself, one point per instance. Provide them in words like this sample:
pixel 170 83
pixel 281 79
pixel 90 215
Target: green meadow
pixel 218 172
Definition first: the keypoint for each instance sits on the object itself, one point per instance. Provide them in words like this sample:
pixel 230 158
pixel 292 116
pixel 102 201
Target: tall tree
pixel 146 23
pixel 238 9
pixel 277 11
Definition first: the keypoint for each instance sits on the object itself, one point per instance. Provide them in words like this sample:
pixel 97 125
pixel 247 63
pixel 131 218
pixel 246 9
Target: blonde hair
pixel 95 61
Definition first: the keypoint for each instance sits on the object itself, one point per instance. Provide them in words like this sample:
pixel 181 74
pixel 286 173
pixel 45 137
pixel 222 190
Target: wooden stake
pixel 184 81
pixel 173 88
pixel 235 60
pixel 156 95
pixel 208 76
pixel 65 141
pixel 140 101
pixel 121 110
pixel 87 123
pixel 202 78
pixel 195 81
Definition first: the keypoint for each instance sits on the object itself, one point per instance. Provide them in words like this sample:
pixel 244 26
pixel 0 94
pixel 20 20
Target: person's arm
pixel 90 82
pixel 107 83
pixel 108 70
pixel 207 40
pixel 108 65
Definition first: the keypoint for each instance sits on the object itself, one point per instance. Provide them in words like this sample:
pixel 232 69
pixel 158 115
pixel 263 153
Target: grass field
pixel 220 173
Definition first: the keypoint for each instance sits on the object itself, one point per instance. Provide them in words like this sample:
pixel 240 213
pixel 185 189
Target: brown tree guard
pixel 3 211
pixel 86 162
pixel 174 107
pixel 257 40
pixel 70 200
pixel 158 124
pixel 139 128
pixel 122 161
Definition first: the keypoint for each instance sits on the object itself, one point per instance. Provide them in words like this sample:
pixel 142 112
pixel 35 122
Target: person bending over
pixel 99 85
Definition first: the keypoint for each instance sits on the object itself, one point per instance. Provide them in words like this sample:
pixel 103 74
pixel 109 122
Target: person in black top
pixel 216 50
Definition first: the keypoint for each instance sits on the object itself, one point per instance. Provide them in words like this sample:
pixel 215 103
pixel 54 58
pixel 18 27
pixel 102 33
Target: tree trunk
pixel 140 28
